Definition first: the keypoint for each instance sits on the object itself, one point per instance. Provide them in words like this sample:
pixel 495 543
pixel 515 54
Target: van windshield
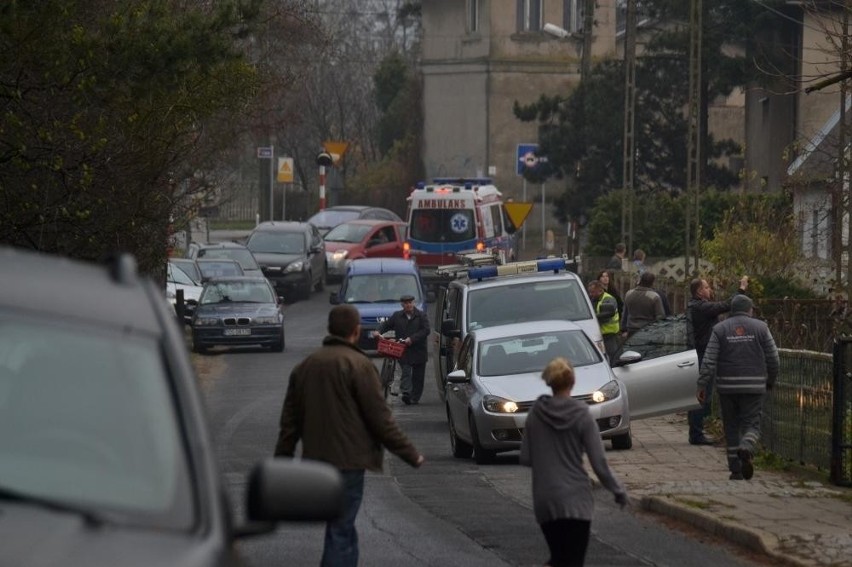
pixel 442 225
pixel 527 301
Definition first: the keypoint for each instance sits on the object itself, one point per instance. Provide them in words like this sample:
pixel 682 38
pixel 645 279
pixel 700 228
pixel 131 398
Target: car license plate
pixel 236 332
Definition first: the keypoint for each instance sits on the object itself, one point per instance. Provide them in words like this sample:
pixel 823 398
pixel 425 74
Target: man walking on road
pixel 742 359
pixel 411 326
pixel 334 406
pixel 701 315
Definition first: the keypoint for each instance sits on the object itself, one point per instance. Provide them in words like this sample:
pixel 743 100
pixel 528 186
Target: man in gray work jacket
pixel 742 360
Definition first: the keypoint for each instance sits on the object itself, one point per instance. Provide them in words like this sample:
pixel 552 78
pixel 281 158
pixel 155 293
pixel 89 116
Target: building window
pixel 472 15
pixel 529 15
pixel 572 15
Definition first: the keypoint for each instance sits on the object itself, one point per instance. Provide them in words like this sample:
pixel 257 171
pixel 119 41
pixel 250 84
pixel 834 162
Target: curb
pixel 754 540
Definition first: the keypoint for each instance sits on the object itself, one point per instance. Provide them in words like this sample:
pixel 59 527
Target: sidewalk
pixel 794 521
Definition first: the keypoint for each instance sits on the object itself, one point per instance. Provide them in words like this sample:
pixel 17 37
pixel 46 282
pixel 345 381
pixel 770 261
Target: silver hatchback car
pixel 498 378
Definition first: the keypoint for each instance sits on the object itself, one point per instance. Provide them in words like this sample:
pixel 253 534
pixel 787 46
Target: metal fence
pixel 841 426
pixel 807 417
pixel 796 422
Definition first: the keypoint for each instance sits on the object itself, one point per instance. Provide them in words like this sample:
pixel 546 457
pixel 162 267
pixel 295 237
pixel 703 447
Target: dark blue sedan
pixel 238 311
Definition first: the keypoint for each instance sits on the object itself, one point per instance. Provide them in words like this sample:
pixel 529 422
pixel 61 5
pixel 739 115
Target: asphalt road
pixel 449 512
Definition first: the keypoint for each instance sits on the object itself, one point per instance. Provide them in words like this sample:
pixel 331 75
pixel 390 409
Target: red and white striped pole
pixel 323 160
pixel 322 187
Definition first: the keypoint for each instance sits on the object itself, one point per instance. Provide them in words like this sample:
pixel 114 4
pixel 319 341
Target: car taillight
pixel 406 250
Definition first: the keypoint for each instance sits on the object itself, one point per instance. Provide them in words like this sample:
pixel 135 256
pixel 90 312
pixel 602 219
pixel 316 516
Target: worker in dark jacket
pixel 742 359
pixel 701 314
pixel 412 327
pixel 334 406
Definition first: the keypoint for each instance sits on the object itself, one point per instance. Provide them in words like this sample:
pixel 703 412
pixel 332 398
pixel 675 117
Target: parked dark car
pixel 218 268
pixel 236 311
pixel 330 217
pixel 105 454
pixel 357 239
pixel 291 255
pixel 230 251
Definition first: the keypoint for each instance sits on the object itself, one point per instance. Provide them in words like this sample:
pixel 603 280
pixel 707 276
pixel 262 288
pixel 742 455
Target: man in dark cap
pixel 742 361
pixel 411 326
pixel 701 314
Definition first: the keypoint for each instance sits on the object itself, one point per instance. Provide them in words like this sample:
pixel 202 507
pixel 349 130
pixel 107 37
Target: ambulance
pixel 454 215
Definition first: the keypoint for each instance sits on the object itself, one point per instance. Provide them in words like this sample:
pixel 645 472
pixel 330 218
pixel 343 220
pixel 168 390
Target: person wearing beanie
pixel 742 362
pixel 701 314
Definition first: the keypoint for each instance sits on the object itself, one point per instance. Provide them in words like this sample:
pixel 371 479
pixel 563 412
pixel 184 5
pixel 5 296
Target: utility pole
pixel 629 124
pixel 693 153
pixel 588 24
pixel 844 206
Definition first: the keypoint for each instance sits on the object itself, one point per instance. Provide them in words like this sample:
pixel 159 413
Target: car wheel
pixel 461 449
pixel 481 455
pixel 320 286
pixel 622 442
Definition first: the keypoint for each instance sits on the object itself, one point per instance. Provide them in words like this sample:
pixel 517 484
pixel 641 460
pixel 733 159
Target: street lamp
pixel 556 31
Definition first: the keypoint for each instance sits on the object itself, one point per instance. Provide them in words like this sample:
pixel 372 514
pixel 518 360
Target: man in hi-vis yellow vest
pixel 606 309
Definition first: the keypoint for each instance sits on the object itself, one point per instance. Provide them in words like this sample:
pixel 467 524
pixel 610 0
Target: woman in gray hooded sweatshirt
pixel 559 429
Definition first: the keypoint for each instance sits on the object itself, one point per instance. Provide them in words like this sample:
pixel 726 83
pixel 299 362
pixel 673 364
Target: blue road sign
pixel 526 158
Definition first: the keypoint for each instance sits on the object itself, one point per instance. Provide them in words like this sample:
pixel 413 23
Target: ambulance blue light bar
pixel 533 266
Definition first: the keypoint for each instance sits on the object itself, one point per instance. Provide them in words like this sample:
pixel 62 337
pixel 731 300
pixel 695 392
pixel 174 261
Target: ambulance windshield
pixel 442 225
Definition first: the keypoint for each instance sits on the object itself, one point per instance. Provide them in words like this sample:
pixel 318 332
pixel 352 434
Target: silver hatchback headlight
pixel 497 404
pixel 607 392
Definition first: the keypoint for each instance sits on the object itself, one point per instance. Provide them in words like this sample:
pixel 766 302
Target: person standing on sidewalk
pixel 742 359
pixel 606 309
pixel 642 305
pixel 334 406
pixel 412 327
pixel 701 314
pixel 558 431
pixel 605 277
pixel 617 260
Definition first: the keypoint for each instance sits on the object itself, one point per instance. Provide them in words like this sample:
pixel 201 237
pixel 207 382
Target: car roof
pixel 216 261
pixel 64 289
pixel 222 245
pixel 516 278
pixel 227 279
pixel 525 328
pixel 348 208
pixel 282 226
pixel 373 222
pixel 382 265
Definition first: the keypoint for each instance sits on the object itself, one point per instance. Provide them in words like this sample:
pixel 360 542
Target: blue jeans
pixel 341 539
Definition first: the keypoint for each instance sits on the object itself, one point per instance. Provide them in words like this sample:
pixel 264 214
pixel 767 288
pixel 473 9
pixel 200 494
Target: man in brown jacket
pixel 334 405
